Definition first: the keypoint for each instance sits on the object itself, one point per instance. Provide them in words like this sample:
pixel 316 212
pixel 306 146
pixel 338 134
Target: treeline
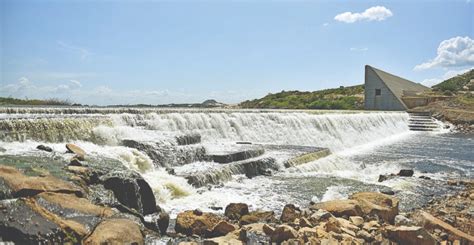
pixel 347 98
pixel 52 101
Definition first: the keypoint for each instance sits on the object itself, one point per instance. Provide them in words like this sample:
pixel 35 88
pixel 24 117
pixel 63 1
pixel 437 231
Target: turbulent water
pixel 364 145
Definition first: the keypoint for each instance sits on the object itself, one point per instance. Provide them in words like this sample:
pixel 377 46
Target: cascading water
pixel 103 131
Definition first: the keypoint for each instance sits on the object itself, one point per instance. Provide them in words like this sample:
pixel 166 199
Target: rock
pixel 190 224
pixel 356 220
pixel 320 215
pixel 21 185
pixel 333 225
pixel 197 212
pixel 236 210
pixel 283 233
pixel 382 205
pixel 304 222
pixel 21 224
pixel 80 153
pixel 424 177
pixel 290 213
pixel 371 225
pixel 307 232
pixel 340 207
pixel 131 190
pixel 388 192
pixel 75 162
pixel 405 173
pixel 44 148
pixel 402 220
pixel 410 235
pixel 116 231
pixel 384 177
pixel 347 224
pixel 430 222
pixel 229 239
pixel 258 216
pixel 365 235
pixel 453 182
pixel 223 228
pixel 268 230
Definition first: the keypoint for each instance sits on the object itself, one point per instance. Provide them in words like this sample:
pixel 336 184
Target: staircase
pixel 422 121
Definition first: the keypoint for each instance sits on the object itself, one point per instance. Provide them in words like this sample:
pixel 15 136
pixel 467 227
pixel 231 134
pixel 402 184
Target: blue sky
pixel 122 52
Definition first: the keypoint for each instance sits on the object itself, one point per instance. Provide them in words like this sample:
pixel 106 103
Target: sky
pixel 157 52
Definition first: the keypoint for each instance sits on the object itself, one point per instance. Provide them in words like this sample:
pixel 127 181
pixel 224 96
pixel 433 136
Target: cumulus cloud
pixel 454 52
pixel 447 75
pixel 377 13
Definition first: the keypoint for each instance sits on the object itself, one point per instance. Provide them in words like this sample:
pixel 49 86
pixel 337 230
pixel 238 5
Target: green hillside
pixel 349 98
pixel 457 83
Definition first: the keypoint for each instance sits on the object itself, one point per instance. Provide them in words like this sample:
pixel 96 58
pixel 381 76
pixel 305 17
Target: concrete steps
pixel 422 121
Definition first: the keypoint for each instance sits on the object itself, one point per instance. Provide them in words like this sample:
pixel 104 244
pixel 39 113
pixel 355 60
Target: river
pixel 363 145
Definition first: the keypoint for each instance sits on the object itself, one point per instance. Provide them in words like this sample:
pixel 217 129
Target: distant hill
pixel 349 98
pixel 457 83
pixel 14 101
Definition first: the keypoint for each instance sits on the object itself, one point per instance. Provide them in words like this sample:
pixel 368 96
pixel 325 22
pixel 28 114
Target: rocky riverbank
pixel 94 202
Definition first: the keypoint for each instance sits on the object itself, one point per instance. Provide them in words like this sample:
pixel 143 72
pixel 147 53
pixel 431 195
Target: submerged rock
pixel 116 231
pixel 44 148
pixel 405 173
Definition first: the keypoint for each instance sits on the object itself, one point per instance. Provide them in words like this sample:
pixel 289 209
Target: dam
pixel 207 158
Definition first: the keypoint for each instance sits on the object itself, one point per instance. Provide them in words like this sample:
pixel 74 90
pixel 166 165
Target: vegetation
pixel 348 98
pixel 457 83
pixel 14 101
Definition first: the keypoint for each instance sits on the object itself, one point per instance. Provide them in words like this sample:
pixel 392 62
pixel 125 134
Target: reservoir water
pixel 363 145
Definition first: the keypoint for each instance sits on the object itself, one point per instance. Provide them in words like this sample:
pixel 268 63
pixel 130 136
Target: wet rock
pixel 223 228
pixel 388 192
pixel 424 177
pixel 190 224
pixel 257 217
pixel 197 212
pixel 80 153
pixel 116 231
pixel 283 233
pixel 44 148
pixel 410 235
pixel 340 207
pixel 405 173
pixel 235 211
pixel 290 213
pixel 385 177
pixel 170 171
pixel 379 204
pixel 21 224
pixel 20 185
pixel 131 190
pixel 227 157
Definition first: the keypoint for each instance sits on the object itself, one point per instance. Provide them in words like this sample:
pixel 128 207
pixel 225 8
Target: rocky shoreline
pixel 94 203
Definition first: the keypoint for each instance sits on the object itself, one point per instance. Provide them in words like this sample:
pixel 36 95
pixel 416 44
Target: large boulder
pixel 131 190
pixel 223 228
pixel 116 231
pixel 196 223
pixel 340 207
pixel 430 222
pixel 236 210
pixel 410 235
pixel 384 206
pixel 16 184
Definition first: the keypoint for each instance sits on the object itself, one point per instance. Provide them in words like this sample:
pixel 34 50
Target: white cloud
pixel 82 52
pixel 75 84
pixel 447 75
pixel 454 52
pixel 359 49
pixel 377 13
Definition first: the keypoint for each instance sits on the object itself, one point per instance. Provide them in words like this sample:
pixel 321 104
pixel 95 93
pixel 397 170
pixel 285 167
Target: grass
pixel 52 101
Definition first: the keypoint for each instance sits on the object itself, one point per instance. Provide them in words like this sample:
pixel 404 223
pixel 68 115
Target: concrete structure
pixel 384 91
